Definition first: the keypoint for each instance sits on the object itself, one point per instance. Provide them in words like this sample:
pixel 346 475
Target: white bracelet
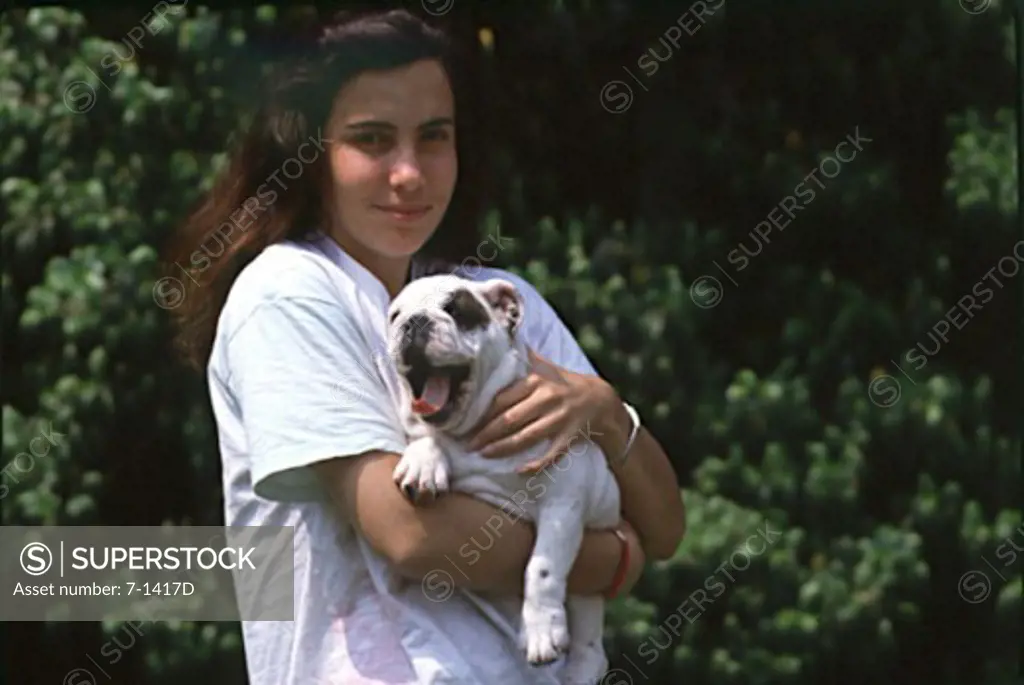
pixel 632 433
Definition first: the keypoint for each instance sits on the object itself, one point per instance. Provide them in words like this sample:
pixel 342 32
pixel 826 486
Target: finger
pixel 558 450
pixel 532 356
pixel 509 414
pixel 509 397
pixel 543 367
pixel 499 428
pixel 527 437
pixel 536 406
pixel 538 364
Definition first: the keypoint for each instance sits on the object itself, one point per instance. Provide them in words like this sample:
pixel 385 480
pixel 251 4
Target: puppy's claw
pixel 422 472
pixel 545 662
pixel 545 635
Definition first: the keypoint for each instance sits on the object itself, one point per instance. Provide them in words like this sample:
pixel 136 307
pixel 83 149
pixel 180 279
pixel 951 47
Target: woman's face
pixel 393 161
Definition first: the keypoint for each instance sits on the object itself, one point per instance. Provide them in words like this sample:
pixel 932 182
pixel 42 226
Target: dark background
pixel 767 389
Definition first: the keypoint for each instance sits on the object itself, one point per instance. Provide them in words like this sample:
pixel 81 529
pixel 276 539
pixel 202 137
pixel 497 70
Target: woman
pixel 340 191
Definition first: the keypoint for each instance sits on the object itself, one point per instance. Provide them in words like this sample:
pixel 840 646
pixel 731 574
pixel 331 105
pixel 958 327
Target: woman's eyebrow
pixel 437 121
pixel 372 124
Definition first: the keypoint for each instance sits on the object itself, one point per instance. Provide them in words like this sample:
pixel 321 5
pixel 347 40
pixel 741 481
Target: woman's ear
pixel 506 303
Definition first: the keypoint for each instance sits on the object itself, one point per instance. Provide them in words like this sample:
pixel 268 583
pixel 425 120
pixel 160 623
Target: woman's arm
pixel 650 494
pixel 421 539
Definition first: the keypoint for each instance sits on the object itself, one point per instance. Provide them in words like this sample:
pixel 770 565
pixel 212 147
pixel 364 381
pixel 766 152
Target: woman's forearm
pixel 650 495
pixel 480 548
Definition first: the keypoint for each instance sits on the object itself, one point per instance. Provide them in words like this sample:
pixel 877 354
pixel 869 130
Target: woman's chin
pixel 406 240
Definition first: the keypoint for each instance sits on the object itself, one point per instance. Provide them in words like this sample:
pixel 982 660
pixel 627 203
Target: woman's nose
pixel 406 173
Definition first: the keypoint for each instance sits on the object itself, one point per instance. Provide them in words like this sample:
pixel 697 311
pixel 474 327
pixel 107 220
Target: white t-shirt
pixel 298 375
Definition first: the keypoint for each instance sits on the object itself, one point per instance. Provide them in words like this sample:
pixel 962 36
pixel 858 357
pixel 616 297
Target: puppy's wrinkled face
pixel 445 335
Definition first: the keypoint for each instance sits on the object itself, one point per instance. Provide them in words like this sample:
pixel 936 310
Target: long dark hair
pixel 245 212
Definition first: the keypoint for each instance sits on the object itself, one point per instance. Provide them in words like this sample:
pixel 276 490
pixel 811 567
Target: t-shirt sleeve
pixel 548 335
pixel 308 389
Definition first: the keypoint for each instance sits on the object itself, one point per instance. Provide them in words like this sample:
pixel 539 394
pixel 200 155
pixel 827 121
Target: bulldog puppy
pixel 454 344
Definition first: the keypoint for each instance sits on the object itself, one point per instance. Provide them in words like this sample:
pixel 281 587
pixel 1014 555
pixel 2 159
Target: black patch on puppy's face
pixel 467 311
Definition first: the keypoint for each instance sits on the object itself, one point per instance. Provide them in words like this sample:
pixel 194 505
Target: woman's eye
pixel 436 135
pixel 372 140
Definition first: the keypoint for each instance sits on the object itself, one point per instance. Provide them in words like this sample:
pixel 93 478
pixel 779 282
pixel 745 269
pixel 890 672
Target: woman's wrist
pixel 613 423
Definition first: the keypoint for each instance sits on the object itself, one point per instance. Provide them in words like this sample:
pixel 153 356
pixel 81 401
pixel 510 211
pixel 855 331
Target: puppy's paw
pixel 585 664
pixel 544 635
pixel 422 471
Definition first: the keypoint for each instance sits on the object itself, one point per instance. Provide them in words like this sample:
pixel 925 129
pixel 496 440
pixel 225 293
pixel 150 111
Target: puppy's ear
pixel 506 302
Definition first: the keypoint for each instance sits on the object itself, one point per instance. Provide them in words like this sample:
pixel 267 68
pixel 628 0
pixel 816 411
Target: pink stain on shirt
pixel 370 647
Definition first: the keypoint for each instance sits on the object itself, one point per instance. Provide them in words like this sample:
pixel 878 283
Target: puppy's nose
pixel 417 330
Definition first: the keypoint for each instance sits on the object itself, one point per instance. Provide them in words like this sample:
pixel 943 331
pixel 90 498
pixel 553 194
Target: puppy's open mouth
pixel 436 389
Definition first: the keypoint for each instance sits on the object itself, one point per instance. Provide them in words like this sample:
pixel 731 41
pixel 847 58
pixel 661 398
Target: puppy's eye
pixel 394 315
pixel 466 311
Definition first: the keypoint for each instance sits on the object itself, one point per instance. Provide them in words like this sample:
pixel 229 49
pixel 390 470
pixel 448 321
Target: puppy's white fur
pixel 578 492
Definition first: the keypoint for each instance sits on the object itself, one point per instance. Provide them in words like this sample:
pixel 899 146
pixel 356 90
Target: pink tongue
pixel 435 395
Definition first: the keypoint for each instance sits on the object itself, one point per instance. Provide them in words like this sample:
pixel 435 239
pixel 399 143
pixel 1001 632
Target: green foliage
pixel 769 389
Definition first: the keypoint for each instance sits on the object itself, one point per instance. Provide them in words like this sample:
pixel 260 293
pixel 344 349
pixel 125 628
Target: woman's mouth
pixel 405 212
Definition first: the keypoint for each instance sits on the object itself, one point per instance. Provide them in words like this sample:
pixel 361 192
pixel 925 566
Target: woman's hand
pixel 550 403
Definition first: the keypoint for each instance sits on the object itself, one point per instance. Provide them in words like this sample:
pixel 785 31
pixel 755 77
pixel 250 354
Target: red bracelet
pixel 620 572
